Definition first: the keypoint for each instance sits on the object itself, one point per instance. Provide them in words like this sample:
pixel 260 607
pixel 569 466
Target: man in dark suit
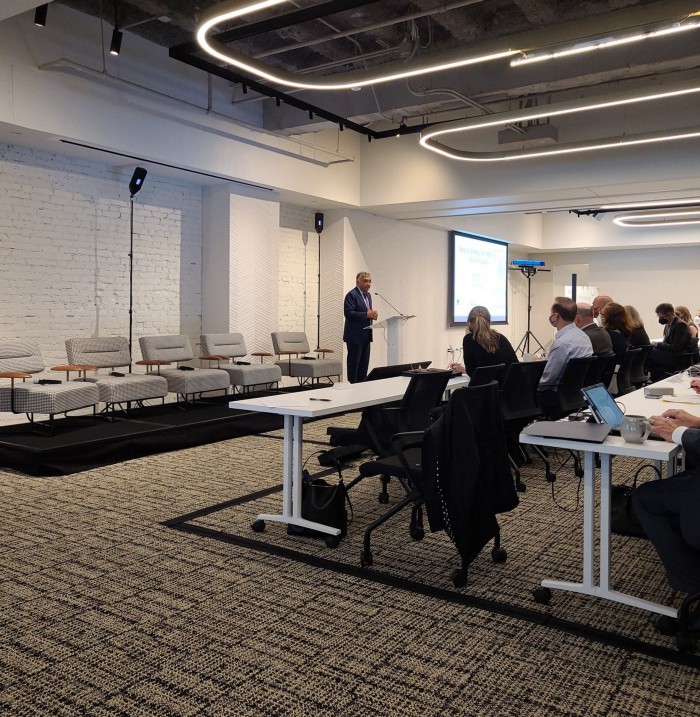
pixel 600 338
pixel 669 509
pixel 358 314
pixel 663 358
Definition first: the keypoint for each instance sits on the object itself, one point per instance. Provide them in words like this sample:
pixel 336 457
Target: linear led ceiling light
pixel 602 43
pixel 658 219
pixel 429 137
pixel 658 203
pixel 223 12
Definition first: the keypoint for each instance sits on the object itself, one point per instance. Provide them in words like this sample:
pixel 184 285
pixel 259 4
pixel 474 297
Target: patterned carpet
pixel 105 611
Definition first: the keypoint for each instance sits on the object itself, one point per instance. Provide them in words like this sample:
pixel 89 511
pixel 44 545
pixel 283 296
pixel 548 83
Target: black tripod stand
pixel 524 346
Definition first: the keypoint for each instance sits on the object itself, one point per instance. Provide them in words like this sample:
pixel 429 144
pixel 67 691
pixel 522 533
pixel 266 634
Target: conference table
pixel 319 403
pixel 660 452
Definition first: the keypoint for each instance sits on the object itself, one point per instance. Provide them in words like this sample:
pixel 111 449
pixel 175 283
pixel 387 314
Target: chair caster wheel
pixel 416 533
pixel 667 625
pixel 258 526
pixel 520 487
pixel 685 642
pixel 332 541
pixel 383 498
pixel 551 477
pixel 542 595
pixel 499 555
pixel 459 578
pixel 366 559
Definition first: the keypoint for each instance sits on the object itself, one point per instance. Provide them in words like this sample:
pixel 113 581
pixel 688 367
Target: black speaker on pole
pixel 318 222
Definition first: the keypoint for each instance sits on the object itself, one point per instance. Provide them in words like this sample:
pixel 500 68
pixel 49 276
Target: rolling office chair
pixel 638 373
pixel 423 393
pixel 601 370
pixel 517 399
pixel 485 374
pixel 458 471
pixel 624 372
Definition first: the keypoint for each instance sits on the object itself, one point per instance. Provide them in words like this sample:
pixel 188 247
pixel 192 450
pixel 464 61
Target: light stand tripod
pixel 524 346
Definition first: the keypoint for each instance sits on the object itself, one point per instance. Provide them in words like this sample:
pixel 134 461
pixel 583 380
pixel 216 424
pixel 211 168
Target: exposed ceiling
pixel 312 38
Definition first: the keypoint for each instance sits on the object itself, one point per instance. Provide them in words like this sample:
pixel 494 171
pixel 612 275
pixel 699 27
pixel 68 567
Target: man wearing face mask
pixel 569 342
pixel 663 358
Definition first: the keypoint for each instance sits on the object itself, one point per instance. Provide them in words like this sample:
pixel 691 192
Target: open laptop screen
pixel 603 405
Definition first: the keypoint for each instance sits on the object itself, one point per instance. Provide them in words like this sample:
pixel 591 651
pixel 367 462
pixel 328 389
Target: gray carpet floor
pixel 106 611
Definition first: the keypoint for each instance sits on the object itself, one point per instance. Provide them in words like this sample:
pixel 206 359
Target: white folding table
pixel 319 403
pixel 658 451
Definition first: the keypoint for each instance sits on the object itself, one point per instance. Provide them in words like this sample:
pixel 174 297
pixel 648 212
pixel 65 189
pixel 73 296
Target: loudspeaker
pixel 318 222
pixel 137 180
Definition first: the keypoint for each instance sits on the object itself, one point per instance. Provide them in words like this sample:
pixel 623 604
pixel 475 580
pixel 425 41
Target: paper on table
pixel 687 398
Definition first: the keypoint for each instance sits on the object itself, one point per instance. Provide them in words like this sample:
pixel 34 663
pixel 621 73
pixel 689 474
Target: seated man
pixel 663 358
pixel 668 509
pixel 570 342
pixel 598 305
pixel 600 339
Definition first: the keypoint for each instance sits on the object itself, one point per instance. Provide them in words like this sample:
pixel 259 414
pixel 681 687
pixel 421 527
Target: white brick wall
pixel 64 246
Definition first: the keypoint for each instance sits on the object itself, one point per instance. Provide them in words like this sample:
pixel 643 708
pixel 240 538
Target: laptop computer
pixel 605 409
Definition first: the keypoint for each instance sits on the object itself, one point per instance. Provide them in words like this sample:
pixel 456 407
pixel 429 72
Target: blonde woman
pixel 482 346
pixel 639 335
pixel 683 313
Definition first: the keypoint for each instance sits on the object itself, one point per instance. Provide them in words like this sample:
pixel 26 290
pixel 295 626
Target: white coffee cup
pixel 635 429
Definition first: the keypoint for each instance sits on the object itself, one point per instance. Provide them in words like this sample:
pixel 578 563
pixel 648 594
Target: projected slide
pixel 479 269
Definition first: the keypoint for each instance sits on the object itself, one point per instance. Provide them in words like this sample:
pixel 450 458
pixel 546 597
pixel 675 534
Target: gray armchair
pixel 292 347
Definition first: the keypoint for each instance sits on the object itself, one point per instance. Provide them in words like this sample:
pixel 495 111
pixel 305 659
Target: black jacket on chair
pixel 466 474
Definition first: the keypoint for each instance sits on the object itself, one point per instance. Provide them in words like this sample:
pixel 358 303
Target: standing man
pixel 358 314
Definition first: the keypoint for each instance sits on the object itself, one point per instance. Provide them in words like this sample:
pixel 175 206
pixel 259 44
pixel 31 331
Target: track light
pixel 117 35
pixel 116 45
pixel 40 15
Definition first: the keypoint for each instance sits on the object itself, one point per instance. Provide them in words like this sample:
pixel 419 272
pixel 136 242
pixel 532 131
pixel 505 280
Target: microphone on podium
pixel 400 313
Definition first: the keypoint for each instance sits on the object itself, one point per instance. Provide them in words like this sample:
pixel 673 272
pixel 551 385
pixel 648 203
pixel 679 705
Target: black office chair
pixel 423 393
pixel 472 484
pixel 357 440
pixel 601 370
pixel 624 372
pixel 517 399
pixel 569 397
pixel 485 374
pixel 638 372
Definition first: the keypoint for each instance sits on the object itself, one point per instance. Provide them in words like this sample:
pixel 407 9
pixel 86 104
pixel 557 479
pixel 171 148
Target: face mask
pixel 663 321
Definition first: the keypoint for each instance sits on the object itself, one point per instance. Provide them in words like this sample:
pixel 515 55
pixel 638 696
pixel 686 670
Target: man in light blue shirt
pixel 569 343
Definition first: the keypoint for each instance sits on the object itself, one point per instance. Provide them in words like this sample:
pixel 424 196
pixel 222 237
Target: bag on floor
pixel 623 518
pixel 322 502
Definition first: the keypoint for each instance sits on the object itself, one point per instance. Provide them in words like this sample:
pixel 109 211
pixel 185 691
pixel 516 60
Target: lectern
pixel 394 327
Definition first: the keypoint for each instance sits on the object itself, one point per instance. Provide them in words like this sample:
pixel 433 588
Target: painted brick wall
pixel 64 246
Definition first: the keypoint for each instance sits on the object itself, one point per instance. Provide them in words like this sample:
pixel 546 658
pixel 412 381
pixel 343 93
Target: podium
pixel 394 327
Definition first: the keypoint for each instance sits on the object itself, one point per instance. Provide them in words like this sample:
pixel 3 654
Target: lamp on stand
pixel 528 268
pixel 134 186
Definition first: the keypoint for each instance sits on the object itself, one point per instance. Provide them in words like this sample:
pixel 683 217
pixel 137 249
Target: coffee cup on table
pixel 635 429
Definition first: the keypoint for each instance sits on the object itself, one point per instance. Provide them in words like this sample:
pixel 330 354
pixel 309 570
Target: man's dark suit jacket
pixel 690 509
pixel 600 340
pixel 676 338
pixel 355 311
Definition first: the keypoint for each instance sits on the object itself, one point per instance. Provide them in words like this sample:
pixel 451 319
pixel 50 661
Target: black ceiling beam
pixel 293 17
pixel 595 212
pixel 290 100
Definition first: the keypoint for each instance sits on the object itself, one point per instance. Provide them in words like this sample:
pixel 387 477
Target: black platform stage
pixel 80 443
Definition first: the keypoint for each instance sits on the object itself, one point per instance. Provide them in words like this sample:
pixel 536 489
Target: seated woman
pixel 482 346
pixel 616 321
pixel 682 312
pixel 639 335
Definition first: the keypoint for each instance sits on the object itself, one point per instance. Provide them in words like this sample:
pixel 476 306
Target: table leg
pixel 292 480
pixel 587 586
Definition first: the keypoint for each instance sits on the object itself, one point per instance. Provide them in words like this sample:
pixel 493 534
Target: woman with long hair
pixel 617 322
pixel 482 345
pixel 639 335
pixel 682 312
